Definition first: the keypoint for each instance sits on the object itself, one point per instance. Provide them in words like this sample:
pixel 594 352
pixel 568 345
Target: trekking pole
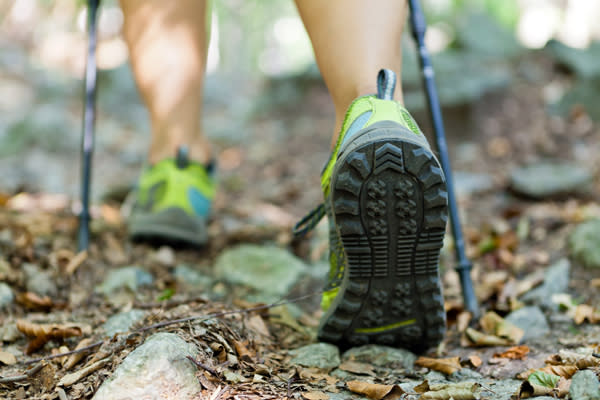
pixel 89 117
pixel 463 268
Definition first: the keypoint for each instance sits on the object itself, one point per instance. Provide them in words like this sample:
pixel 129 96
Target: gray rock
pixel 39 281
pixel 381 356
pixel 585 386
pixel 6 295
pixel 435 376
pixel 192 278
pixel 465 374
pixel 318 355
pixel 584 243
pixel 550 178
pixel 582 62
pixel 469 183
pixel 501 390
pixel 158 369
pixel 122 322
pixel 268 269
pixel 532 320
pixel 556 280
pixel 125 278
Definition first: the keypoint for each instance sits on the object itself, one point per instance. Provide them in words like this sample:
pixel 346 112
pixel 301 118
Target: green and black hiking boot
pixel 386 200
pixel 173 202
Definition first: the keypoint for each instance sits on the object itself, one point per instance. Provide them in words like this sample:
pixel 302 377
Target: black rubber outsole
pixel 389 203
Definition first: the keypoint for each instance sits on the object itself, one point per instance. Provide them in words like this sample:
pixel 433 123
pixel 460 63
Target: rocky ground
pixel 237 319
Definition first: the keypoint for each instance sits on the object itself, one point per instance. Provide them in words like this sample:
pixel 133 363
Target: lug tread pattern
pixel 390 209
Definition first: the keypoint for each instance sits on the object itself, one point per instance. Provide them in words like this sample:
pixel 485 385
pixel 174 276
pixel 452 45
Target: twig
pixel 68 353
pixel 225 313
pixel 179 321
pixel 26 375
pixel 203 366
pixel 75 377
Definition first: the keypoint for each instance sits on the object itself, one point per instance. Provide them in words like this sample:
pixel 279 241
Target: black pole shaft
pixel 463 268
pixel 89 117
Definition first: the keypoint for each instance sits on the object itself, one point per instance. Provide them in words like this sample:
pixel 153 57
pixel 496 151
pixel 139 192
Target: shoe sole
pixel 389 203
pixel 170 226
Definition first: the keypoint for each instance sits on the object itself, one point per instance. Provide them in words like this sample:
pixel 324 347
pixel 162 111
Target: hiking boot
pixel 173 202
pixel 386 201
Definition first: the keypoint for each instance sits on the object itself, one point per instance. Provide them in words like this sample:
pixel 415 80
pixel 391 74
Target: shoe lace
pixel 309 221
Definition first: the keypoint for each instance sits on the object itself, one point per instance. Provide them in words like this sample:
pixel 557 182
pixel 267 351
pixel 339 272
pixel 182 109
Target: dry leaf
pixel 376 391
pixel 514 353
pixel 40 334
pixel 76 262
pixel 584 312
pixel 75 358
pixel 528 389
pixel 475 360
pixel 243 353
pixel 70 379
pixel 567 357
pixel 315 396
pixel 445 365
pixel 316 375
pixel 563 387
pixel 481 339
pixel 33 301
pixel 257 324
pixel 7 358
pixel 565 371
pixel 357 368
pixel 462 320
pixel 493 324
pixel 446 391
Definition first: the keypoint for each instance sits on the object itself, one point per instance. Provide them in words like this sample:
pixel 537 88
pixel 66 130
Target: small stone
pixel 192 278
pixel 39 281
pixel 546 179
pixel 318 355
pixel 157 369
pixel 232 377
pixel 381 356
pixel 584 243
pixel 164 256
pixel 122 322
pixel 268 269
pixel 585 386
pixel 9 332
pixel 556 280
pixel 6 295
pixel 470 183
pixel 503 389
pixel 532 320
pixel 435 376
pixel 125 278
pixel 465 374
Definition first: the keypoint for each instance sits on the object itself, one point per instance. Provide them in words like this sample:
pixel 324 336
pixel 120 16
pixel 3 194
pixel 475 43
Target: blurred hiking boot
pixel 173 202
pixel 386 201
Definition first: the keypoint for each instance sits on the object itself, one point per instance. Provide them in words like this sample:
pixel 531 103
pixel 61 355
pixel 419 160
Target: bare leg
pixel 353 40
pixel 167 46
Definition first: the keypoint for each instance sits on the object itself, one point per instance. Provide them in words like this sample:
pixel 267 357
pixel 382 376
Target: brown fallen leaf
pixel 463 320
pixel 568 357
pixel 316 375
pixel 475 360
pixel 76 357
pixel 493 324
pixel 243 353
pixel 357 368
pixel 565 371
pixel 476 338
pixel 445 365
pixel 40 334
pixel 562 389
pixel 376 391
pixel 76 262
pixel 514 353
pixel 447 391
pixel 32 301
pixel 528 389
pixel 316 395
pixel 585 312
pixel 7 358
